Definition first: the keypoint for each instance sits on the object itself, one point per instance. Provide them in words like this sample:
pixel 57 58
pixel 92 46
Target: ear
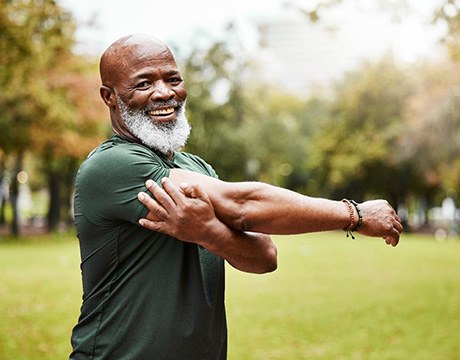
pixel 108 96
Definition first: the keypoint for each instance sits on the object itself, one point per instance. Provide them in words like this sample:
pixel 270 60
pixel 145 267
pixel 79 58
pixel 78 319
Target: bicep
pixel 114 192
pixel 228 199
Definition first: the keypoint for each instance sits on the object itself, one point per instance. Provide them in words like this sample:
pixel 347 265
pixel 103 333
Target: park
pixel 331 298
pixel 386 128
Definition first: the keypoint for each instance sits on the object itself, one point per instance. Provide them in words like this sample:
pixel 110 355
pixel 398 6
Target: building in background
pixel 302 56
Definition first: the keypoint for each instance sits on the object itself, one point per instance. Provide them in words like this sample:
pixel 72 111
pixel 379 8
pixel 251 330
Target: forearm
pixel 259 207
pixel 249 252
pixel 265 208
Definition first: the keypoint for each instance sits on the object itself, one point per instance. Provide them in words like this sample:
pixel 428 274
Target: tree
pixel 448 12
pixel 79 123
pixel 246 128
pixel 353 154
pixel 35 58
pixel 432 139
pixel 216 108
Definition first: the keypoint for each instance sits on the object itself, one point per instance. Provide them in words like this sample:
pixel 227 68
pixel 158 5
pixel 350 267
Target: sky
pixel 181 20
pixel 177 21
pixel 359 32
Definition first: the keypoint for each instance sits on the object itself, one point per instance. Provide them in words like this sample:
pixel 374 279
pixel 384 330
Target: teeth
pixel 162 111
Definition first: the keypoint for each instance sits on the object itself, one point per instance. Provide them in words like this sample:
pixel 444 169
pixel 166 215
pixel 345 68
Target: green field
pixel 331 298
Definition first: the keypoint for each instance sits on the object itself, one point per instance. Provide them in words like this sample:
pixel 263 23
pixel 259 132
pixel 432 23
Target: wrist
pixel 359 215
pixel 356 218
pixel 217 236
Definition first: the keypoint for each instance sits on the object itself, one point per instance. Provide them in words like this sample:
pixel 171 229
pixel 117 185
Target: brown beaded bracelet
pixel 353 227
pixel 360 215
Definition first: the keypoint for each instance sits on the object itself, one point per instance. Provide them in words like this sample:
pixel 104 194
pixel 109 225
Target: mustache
pixel 162 104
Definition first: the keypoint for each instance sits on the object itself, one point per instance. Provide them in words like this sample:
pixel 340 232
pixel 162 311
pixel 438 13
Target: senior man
pixel 157 291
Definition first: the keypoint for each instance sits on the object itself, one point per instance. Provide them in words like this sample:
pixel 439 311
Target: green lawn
pixel 331 298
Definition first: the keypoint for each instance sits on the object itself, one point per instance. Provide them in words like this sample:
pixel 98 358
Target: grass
pixel 331 298
pixel 40 295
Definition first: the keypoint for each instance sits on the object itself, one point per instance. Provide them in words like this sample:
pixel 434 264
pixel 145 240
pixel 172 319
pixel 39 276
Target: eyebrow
pixel 146 73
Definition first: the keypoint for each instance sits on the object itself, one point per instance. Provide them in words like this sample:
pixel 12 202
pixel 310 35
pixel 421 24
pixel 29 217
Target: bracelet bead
pixel 351 204
pixel 360 215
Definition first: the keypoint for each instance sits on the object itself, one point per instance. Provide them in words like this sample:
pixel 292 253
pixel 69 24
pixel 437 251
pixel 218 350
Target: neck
pixel 127 135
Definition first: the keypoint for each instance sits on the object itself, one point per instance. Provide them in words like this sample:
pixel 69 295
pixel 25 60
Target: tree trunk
pixel 3 194
pixel 69 190
pixel 14 195
pixel 54 210
pixel 2 209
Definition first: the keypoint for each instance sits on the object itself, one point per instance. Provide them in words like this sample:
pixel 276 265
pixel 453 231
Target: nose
pixel 162 91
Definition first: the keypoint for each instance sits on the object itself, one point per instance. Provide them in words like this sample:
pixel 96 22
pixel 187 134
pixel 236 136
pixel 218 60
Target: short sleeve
pixel 109 182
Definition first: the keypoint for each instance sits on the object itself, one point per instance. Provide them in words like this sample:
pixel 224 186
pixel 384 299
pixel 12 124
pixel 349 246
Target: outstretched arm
pixel 259 207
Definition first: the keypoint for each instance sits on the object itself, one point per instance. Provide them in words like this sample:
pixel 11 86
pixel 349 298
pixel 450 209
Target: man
pixel 160 294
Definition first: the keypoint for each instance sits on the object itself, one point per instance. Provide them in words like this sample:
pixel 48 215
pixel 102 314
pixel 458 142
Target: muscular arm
pixel 259 207
pixel 192 218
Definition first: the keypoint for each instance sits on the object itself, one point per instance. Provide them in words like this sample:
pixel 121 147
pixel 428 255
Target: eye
pixel 175 80
pixel 143 85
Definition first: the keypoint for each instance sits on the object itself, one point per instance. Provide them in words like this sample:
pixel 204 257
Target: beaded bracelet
pixel 353 227
pixel 360 215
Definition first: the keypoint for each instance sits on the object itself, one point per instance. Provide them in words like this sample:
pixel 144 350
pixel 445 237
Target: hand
pixel 186 213
pixel 380 220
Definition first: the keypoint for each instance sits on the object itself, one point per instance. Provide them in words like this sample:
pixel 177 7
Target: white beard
pixel 165 137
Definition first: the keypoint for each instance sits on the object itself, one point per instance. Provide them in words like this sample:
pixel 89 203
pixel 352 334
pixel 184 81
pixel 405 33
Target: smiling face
pixel 142 86
pixel 164 136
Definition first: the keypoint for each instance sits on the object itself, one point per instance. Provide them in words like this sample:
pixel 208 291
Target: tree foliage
pixel 432 139
pixel 43 86
pixel 246 128
pixel 354 152
pixel 389 130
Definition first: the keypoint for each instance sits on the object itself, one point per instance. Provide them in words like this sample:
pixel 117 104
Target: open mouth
pixel 162 112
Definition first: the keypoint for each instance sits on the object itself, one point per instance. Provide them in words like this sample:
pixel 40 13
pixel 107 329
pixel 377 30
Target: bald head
pixel 121 55
pixel 144 91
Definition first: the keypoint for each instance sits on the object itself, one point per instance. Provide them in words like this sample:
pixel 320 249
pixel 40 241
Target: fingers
pixel 156 211
pixel 151 225
pixel 395 232
pixel 194 191
pixel 170 191
pixel 167 199
pixel 392 240
pixel 381 220
pixel 398 226
pixel 160 195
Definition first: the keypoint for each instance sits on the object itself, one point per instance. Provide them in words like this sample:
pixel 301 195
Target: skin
pixel 142 71
pixel 229 219
pixel 260 207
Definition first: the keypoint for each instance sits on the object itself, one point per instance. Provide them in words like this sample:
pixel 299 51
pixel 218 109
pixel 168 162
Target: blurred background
pixel 333 98
pixel 330 98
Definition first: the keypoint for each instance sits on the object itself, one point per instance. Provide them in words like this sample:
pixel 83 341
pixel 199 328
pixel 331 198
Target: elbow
pixel 260 263
pixel 239 219
pixel 247 208
pixel 270 263
pixel 273 263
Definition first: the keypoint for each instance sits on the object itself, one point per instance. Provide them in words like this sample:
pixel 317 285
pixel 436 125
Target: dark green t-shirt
pixel 146 295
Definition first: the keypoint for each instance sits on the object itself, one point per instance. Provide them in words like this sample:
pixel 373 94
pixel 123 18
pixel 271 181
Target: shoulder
pixel 119 161
pixel 116 155
pixel 113 150
pixel 195 163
